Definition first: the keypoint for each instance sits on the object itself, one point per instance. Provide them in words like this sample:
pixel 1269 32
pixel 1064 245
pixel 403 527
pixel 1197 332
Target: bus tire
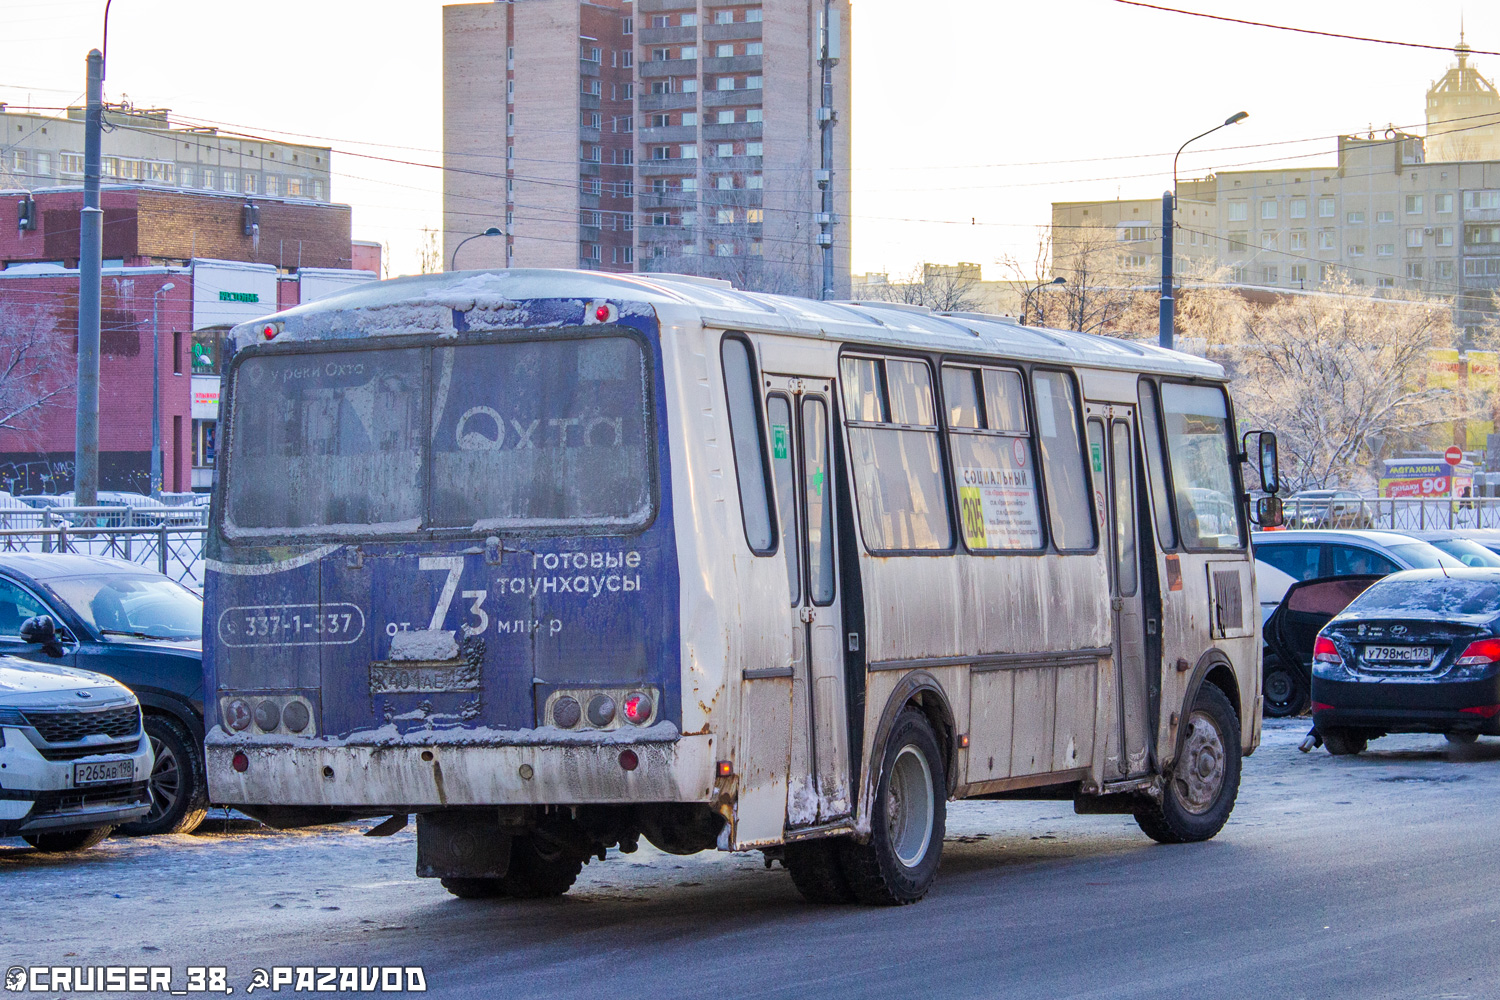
pixel 900 860
pixel 817 872
pixel 475 888
pixel 1205 780
pixel 539 871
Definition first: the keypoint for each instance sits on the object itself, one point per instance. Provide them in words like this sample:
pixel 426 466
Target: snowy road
pixel 1364 878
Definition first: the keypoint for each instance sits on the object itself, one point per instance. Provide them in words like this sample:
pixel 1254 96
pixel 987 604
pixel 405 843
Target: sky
pixel 969 117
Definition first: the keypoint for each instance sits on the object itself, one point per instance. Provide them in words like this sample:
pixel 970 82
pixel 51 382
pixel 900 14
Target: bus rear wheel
pixel 900 860
pixel 1205 780
pixel 817 871
pixel 537 871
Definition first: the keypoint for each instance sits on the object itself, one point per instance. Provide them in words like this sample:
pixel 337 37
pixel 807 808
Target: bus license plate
pixel 103 772
pixel 1398 654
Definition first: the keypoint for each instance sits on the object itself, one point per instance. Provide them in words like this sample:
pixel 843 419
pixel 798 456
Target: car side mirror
pixel 39 630
pixel 1268 512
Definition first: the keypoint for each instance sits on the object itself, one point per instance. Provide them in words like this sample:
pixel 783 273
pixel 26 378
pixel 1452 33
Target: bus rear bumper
pixel 368 778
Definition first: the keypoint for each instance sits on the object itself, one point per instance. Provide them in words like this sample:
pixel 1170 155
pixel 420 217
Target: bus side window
pixel 1063 471
pixel 891 413
pixel 1156 472
pixel 742 391
pixel 779 411
pixel 1199 444
pixel 994 465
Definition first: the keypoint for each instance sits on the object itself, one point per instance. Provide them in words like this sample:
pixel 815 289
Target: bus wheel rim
pixel 909 813
pixel 1200 774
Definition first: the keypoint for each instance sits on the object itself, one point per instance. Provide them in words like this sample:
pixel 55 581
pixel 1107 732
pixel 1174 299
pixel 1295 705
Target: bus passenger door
pixel 801 463
pixel 1112 449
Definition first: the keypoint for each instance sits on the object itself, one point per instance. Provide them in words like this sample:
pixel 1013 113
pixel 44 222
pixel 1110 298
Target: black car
pixel 1417 652
pixel 137 626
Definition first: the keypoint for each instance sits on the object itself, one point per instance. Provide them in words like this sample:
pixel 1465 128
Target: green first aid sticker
pixel 779 441
pixel 1097 451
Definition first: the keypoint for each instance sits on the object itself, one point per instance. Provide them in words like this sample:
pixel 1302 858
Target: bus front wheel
pixel 1205 779
pixel 898 863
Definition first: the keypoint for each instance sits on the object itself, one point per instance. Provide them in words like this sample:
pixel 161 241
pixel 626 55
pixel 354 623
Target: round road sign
pixel 1454 455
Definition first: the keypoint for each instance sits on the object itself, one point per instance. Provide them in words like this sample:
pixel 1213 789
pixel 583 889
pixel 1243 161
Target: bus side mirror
pixel 1268 459
pixel 1268 512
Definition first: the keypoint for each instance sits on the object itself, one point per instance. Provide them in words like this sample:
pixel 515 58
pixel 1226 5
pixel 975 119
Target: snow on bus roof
pixel 427 303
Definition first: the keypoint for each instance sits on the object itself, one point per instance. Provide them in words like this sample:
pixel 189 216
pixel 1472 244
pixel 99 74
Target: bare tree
pixel 1101 292
pixel 429 252
pixel 35 366
pixel 1342 378
pixel 939 287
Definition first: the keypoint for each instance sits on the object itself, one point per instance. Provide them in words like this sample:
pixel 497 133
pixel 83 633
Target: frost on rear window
pixel 519 434
pixel 1429 598
pixel 540 432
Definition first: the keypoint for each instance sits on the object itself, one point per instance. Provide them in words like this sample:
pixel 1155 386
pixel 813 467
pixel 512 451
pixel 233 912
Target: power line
pixel 1301 31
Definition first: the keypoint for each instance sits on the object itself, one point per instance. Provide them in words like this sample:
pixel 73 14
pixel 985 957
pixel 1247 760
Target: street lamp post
pixel 1168 223
pixel 90 263
pixel 453 260
pixel 1026 299
pixel 156 391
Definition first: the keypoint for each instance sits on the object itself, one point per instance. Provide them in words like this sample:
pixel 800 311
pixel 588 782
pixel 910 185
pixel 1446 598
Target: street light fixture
pixel 1168 223
pixel 156 391
pixel 453 260
pixel 1026 299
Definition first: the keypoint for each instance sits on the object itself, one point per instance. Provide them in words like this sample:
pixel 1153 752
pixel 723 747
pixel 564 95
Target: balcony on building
pixel 730 131
pixel 667 168
pixel 732 98
pixel 667 102
pixel 738 31
pixel 666 36
pixel 656 69
pixel 732 64
pixel 668 133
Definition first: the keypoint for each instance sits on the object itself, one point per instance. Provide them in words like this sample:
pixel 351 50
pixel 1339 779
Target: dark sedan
pixel 1417 652
pixel 135 625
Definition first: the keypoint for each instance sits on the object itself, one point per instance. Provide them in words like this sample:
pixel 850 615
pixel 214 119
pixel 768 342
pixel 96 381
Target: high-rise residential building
pixel 143 147
pixel 1463 113
pixel 654 135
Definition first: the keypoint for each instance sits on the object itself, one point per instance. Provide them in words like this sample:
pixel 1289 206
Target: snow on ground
pixel 235 892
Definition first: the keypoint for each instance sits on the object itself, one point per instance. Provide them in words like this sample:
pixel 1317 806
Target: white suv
pixel 73 759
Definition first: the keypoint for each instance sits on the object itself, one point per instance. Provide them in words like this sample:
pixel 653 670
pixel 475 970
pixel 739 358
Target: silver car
pixel 73 759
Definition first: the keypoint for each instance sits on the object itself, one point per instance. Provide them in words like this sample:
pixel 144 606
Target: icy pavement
pixel 1029 893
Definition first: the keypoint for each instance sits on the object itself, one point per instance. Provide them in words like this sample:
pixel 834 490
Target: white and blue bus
pixel 558 560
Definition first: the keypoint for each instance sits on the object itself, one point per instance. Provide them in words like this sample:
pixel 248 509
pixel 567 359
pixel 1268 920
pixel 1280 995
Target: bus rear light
pixel 726 768
pixel 296 716
pixel 237 715
pixel 1479 653
pixel 1324 651
pixel 270 330
pixel 601 710
pixel 240 762
pixel 566 712
pixel 637 708
pixel 628 760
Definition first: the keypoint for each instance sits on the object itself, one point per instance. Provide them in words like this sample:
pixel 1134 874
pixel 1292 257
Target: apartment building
pixel 1385 213
pixel 655 135
pixel 1119 242
pixel 143 147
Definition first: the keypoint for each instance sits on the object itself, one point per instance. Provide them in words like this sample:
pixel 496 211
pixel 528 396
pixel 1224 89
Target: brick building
pixel 229 260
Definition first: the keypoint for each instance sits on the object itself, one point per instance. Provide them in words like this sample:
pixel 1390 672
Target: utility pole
pixel 156 475
pixel 90 263
pixel 827 56
pixel 1168 305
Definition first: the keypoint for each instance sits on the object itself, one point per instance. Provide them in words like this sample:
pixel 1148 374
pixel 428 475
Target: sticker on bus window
pixel 779 440
pixel 1096 450
pixel 998 509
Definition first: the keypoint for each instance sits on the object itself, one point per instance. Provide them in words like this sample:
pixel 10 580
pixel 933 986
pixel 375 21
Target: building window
pixel 1238 210
pixel 753 48
pixel 755 215
pixel 661 86
pixel 1414 205
pixel 690 152
pixel 71 163
pixel 1326 273
pixel 726 149
pixel 510 91
pixel 595 253
pixel 1385 249
pixel 1298 240
pixel 250 182
pixel 1268 275
pixel 208 181
pixel 629 91
pixel 176 352
pixel 688 21
pixel 754 149
pixel 688 52
pixel 229 184
pixel 724 51
pixel 592 88
pixel 1442 203
pixel 1237 274
pixel 1354 219
pixel 1356 249
pixel 1414 238
pixel 627 26
pixel 1239 242
pixel 630 255
pixel 725 216
pixel 723 17
pixel 43 164
pixel 1481 200
pixel 1268 241
pixel 1445 270
pixel 1481 235
pixel 1482 267
pixel 1384 217
pixel 661 121
pixel 754 115
pixel 753 83
pixel 755 183
pixel 273 185
pixel 689 185
pixel 294 187
pixel 1414 270
pixel 1326 239
pixel 689 86
pixel 726 83
pixel 661 152
pixel 1299 273
pixel 1268 209
pixel 689 118
pixel 1298 208
pixel 627 58
pixel 185 177
pixel 1325 208
pixel 753 14
pixel 510 57
pixel 1444 236
pixel 1385 282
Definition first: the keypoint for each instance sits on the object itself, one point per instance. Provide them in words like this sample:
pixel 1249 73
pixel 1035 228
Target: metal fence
pixel 1396 514
pixel 167 539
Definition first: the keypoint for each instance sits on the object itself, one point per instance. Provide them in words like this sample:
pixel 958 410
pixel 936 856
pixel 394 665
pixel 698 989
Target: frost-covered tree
pixel 1341 377
pixel 36 368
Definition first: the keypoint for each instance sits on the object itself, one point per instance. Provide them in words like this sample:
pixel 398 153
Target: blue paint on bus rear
pixel 558 610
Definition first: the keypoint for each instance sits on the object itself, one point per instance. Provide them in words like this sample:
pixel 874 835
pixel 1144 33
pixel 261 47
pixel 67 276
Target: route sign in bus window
pixel 994 465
